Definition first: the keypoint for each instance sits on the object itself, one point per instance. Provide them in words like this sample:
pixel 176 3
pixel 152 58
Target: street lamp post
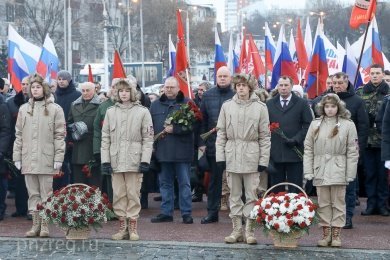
pixel 320 14
pixel 70 58
pixel 128 29
pixel 105 28
pixel 142 42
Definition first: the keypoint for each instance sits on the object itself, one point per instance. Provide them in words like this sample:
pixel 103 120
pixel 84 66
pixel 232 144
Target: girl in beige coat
pixel 127 143
pixel 243 148
pixel 330 160
pixel 39 147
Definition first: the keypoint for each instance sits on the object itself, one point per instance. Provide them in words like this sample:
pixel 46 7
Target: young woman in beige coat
pixel 126 149
pixel 330 160
pixel 243 148
pixel 39 147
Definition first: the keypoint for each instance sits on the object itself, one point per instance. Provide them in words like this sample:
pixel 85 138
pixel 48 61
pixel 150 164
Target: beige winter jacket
pixel 332 161
pixel 127 137
pixel 243 138
pixel 39 138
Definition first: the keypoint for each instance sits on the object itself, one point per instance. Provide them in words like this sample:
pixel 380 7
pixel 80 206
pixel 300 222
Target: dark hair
pixel 387 72
pixel 341 75
pixel 376 66
pixel 288 78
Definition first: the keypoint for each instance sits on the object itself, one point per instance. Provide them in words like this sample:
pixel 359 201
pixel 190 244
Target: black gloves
pixel 1 157
pixel 106 169
pixel 290 142
pixel 144 167
pixel 261 168
pixel 221 166
pixel 97 158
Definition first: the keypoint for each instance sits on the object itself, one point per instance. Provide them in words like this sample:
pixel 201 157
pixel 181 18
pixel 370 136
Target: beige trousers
pixel 263 184
pixel 331 201
pixel 225 186
pixel 236 182
pixel 126 188
pixel 39 188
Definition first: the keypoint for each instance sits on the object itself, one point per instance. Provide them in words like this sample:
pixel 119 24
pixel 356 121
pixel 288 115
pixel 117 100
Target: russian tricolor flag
pixel 350 65
pixel 48 62
pixel 270 49
pixel 317 70
pixel 283 65
pixel 23 57
pixel 172 58
pixel 219 55
pixel 372 53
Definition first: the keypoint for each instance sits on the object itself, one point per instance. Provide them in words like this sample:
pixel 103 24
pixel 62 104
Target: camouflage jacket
pixel 373 97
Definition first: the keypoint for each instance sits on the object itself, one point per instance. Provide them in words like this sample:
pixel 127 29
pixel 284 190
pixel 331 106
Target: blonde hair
pixel 341 111
pixel 36 78
pixel 126 84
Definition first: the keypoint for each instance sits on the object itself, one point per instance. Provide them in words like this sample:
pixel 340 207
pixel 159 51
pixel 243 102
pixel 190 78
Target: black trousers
pixel 290 172
pixel 215 187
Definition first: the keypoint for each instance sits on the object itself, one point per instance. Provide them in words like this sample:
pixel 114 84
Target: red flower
pixel 63 219
pixel 276 226
pixel 75 218
pixel 302 225
pixel 274 126
pixel 48 211
pixel 72 198
pixel 64 207
pixel 288 216
pixel 295 213
pixel 61 200
pixel 274 200
pixel 90 205
pixel 299 207
pixel 39 207
pixel 278 214
pixel 263 215
pixel 49 199
pixel 290 222
pixel 91 220
pixel 287 204
pixel 87 195
pixel 270 218
pixel 55 206
pixel 82 211
pixel 75 206
pixel 268 206
pixel 282 193
pixel 100 206
pixel 85 169
pixel 54 214
pixel 83 200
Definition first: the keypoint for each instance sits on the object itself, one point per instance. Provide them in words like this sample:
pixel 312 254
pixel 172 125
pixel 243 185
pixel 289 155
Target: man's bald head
pixel 224 77
pixel 87 90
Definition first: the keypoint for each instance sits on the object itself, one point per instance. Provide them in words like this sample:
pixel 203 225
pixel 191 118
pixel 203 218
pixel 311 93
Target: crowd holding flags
pixel 300 59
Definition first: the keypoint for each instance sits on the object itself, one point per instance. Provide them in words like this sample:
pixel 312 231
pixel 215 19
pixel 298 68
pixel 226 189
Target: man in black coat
pixel 356 106
pixel 294 117
pixel 66 93
pixel 174 151
pixel 5 138
pixel 21 195
pixel 211 106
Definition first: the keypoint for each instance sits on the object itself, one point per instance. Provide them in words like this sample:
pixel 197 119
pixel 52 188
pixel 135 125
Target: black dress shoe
pixel 18 214
pixel 161 218
pixel 368 212
pixel 187 219
pixel 384 212
pixel 209 219
pixel 196 197
pixel 158 198
pixel 348 223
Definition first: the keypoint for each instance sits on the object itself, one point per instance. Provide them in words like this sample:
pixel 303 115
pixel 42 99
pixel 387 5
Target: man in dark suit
pixel 294 117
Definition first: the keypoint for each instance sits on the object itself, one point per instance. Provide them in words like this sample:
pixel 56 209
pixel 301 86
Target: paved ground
pixel 369 239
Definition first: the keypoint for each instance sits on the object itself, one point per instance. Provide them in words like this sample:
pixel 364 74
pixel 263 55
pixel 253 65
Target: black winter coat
pixel 175 147
pixel 294 121
pixel 5 132
pixel 357 107
pixel 212 101
pixel 66 96
pixel 386 135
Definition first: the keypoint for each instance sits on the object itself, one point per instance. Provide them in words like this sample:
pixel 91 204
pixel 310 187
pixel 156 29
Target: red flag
pixel 255 64
pixel 90 76
pixel 243 55
pixel 301 49
pixel 118 70
pixel 181 69
pixel 362 12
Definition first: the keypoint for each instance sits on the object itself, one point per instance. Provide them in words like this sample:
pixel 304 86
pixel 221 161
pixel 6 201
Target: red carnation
pixel 287 204
pixel 299 207
pixel 88 195
pixel 278 214
pixel 288 216
pixel 82 211
pixel 62 219
pixel 274 126
pixel 286 198
pixel 270 218
pixel 302 225
pixel 64 207
pixel 61 200
pixel 75 218
pixel 91 220
pixel 73 190
pixel 83 200
pixel 295 213
pixel 39 207
pixel 91 190
pixel 54 214
pixel 100 206
pixel 90 205
pixel 263 215
pixel 290 222
pixel 276 226
pixel 56 206
pixel 72 198
pixel 75 206
pixel 268 206
pixel 49 199
pixel 48 211
pixel 274 200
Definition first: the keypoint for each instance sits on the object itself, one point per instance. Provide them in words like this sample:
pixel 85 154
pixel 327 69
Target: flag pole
pixel 318 82
pixel 361 53
pixel 188 84
pixel 266 77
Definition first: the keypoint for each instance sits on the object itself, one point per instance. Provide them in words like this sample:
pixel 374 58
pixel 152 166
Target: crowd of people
pixel 255 139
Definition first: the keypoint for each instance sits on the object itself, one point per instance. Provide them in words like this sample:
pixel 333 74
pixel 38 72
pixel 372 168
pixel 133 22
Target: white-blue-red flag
pixel 171 58
pixel 317 69
pixel 372 53
pixel 230 58
pixel 219 60
pixel 350 65
pixel 23 57
pixel 270 48
pixel 236 55
pixel 308 39
pixel 283 65
pixel 47 65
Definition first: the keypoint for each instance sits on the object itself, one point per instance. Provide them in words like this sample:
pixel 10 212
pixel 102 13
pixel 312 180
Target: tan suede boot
pixel 326 237
pixel 44 229
pixel 123 233
pixel 132 226
pixel 249 232
pixel 224 202
pixel 336 240
pixel 236 235
pixel 36 227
